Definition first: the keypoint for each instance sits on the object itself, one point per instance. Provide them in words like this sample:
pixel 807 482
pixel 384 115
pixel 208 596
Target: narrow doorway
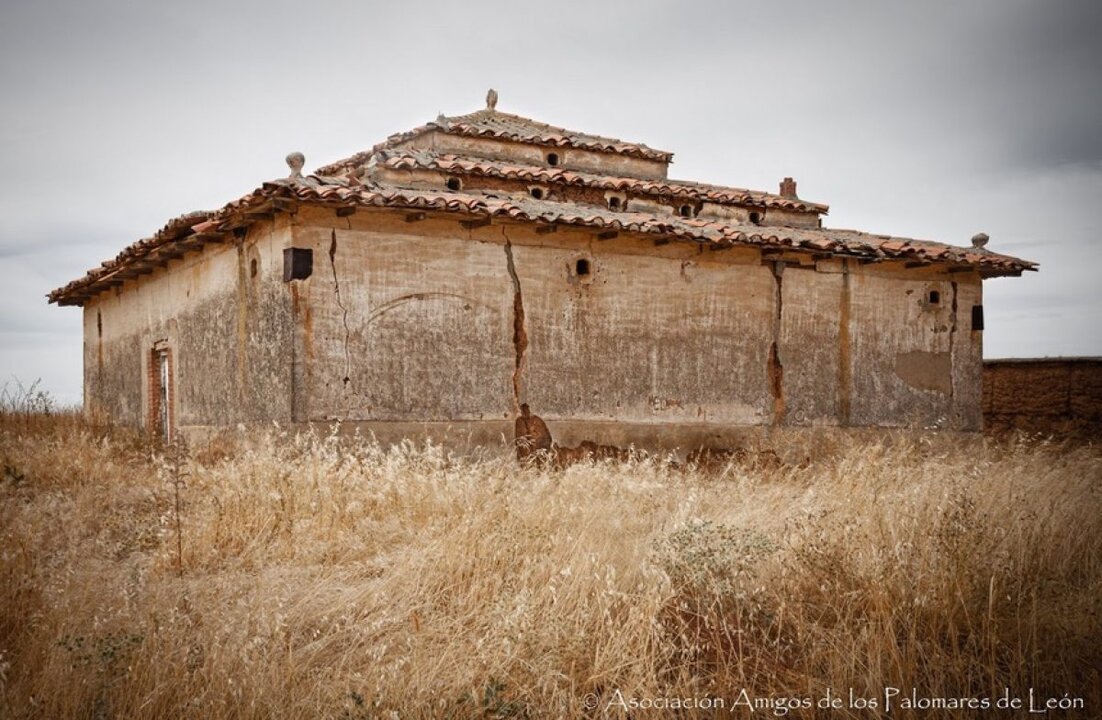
pixel 160 393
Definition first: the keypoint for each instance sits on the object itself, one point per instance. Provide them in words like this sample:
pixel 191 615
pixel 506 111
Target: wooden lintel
pixel 415 217
pixel 607 234
pixel 200 239
pixel 821 256
pixel 472 224
pixel 772 252
pixel 545 229
pixel 346 211
pixel 915 264
pixel 661 241
pixel 966 268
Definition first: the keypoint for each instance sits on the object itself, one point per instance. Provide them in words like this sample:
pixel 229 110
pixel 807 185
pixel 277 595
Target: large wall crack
pixel 845 360
pixel 347 379
pixel 520 335
pixel 775 369
pixel 952 337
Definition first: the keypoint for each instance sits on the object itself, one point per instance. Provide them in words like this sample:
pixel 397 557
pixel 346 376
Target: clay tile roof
pixel 505 126
pixel 273 196
pixel 409 159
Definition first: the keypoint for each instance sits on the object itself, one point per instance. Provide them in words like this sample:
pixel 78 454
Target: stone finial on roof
pixel 979 240
pixel 491 99
pixel 295 161
pixel 788 188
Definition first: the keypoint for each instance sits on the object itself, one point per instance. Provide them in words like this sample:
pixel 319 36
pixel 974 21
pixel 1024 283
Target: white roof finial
pixel 491 99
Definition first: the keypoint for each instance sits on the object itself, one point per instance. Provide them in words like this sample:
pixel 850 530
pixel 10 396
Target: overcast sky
pixel 934 120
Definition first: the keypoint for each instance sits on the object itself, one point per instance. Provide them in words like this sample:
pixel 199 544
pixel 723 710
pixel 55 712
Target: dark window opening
pixel 614 203
pixel 298 264
pixel 581 267
pixel 755 218
pixel 537 193
pixel 977 317
pixel 686 211
pixel 252 267
pixel 935 297
pixel 552 159
pixel 454 184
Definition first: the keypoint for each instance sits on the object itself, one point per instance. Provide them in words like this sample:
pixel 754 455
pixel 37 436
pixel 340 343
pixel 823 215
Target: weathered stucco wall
pixel 1061 396
pixel 412 323
pixel 911 355
pixel 228 330
pixel 399 327
pixel 431 322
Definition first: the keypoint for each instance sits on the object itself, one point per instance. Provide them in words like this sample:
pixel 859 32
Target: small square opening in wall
pixel 934 297
pixel 581 267
pixel 977 317
pixel 298 264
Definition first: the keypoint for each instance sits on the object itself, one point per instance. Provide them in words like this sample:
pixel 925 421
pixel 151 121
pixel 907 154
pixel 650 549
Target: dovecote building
pixel 434 284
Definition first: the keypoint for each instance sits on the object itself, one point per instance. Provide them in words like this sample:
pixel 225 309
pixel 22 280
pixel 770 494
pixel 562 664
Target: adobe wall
pixel 409 326
pixel 228 331
pixel 1061 396
pixel 412 325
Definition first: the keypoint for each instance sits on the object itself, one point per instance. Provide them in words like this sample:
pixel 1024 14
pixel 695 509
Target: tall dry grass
pixel 336 579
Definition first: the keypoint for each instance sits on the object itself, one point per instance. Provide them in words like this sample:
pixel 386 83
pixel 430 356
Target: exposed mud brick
pixel 1086 391
pixel 1060 396
pixel 1030 390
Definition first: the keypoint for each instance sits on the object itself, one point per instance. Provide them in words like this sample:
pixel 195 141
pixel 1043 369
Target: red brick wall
pixel 1061 396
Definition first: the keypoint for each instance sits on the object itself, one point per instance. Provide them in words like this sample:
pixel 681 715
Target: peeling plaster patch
pixel 344 311
pixel 520 335
pixel 924 370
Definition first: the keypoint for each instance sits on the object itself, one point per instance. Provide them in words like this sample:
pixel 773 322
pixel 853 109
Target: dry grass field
pixel 315 577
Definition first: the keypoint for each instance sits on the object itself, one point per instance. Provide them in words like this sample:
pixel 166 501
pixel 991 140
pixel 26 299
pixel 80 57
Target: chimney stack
pixel 788 188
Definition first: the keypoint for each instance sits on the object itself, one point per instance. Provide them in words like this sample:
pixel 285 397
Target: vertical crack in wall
pixel 340 303
pixel 242 335
pixel 520 335
pixel 952 360
pixel 845 370
pixel 775 368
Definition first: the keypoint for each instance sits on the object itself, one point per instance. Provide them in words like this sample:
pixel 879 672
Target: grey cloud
pixel 934 120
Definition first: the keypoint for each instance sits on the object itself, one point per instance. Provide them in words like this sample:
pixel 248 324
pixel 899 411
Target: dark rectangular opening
pixel 977 317
pixel 298 264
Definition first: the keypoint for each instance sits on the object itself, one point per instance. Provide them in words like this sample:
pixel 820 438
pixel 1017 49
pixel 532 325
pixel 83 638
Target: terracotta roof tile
pixel 505 126
pixel 716 234
pixel 409 159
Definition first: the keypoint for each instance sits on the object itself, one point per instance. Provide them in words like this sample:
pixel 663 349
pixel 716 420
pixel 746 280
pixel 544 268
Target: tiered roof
pixel 371 179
